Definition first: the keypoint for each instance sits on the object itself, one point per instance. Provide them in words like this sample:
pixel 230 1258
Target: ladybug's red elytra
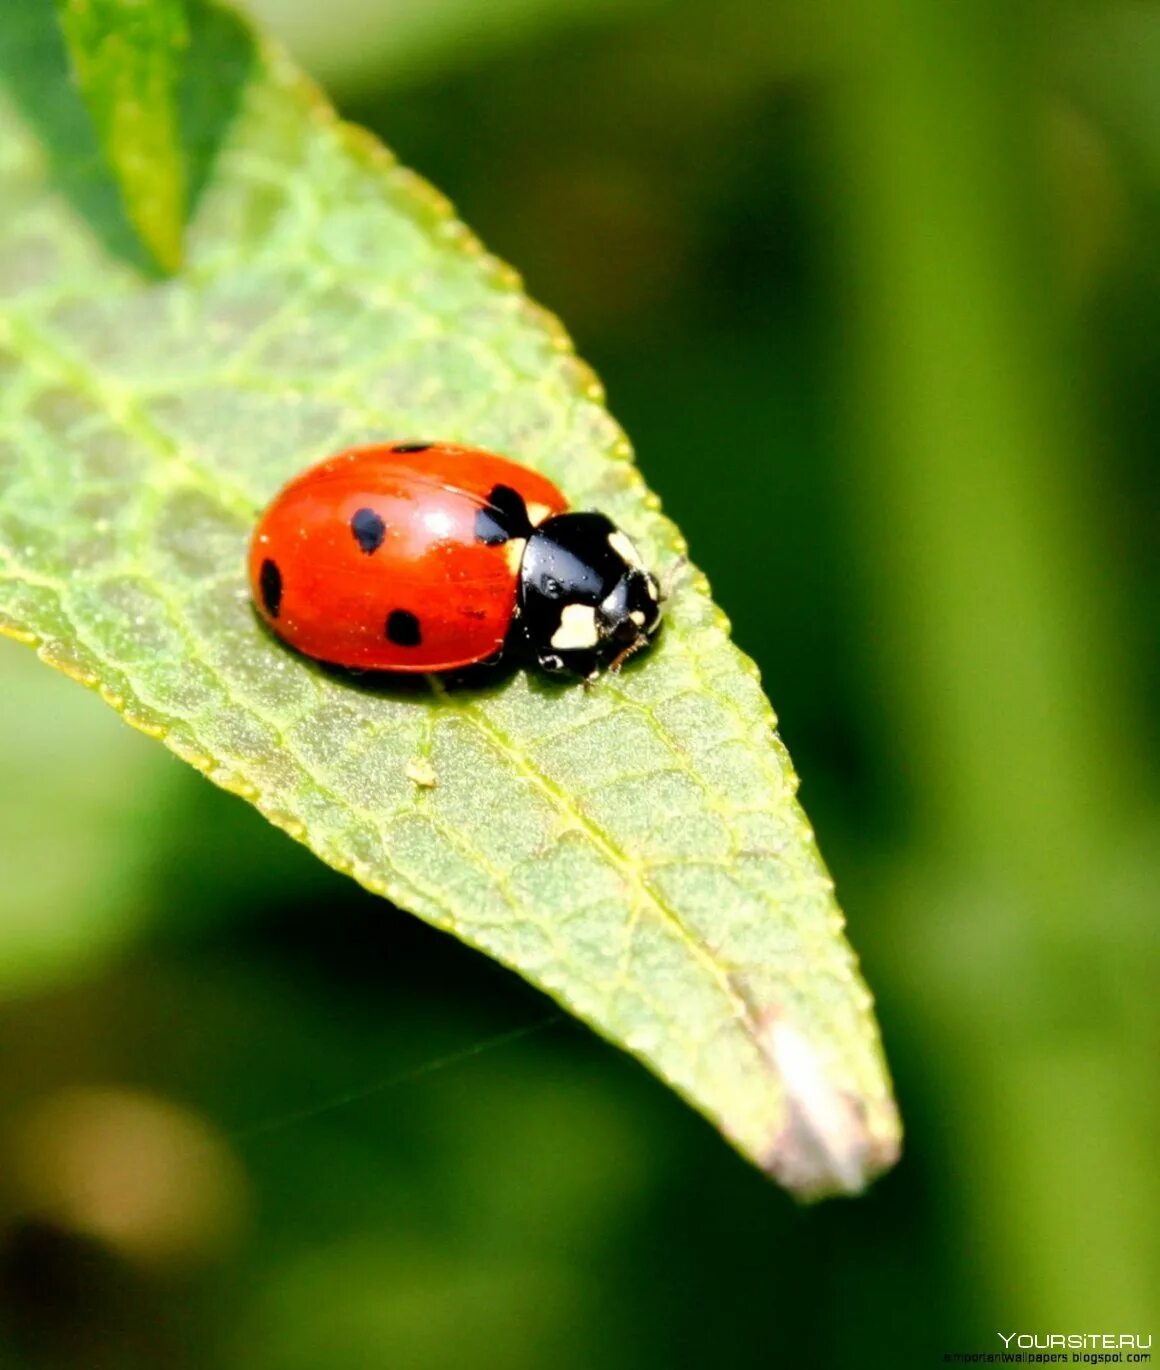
pixel 427 557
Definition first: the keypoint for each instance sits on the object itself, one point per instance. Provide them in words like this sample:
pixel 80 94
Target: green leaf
pixel 636 851
pixel 126 57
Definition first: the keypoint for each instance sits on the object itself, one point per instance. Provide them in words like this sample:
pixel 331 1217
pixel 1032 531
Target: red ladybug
pixel 419 556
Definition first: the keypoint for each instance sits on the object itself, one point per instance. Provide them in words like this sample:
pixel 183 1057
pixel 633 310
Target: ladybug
pixel 425 557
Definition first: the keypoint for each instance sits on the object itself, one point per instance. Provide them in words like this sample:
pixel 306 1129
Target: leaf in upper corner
pixel 637 851
pixel 126 55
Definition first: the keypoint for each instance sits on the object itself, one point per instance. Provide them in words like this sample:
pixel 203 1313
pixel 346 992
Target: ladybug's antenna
pixel 670 578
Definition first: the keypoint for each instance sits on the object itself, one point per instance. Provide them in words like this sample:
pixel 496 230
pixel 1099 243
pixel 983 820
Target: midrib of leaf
pixel 827 1125
pixel 611 851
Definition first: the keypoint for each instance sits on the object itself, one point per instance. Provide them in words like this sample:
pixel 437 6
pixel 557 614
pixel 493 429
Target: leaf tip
pixel 152 187
pixel 828 1143
pixel 163 238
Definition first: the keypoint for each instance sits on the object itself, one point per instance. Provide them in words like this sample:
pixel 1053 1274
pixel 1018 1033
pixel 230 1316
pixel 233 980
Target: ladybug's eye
pixel 625 631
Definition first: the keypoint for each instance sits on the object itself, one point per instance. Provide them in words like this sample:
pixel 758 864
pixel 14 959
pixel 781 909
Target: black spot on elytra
pixel 504 516
pixel 403 628
pixel 368 529
pixel 270 584
pixel 412 447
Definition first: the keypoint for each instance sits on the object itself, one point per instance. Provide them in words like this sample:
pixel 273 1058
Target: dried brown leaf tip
pixel 827 1144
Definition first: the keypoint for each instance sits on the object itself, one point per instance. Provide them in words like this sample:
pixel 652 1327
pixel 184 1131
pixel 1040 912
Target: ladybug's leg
pixel 622 656
pixel 586 665
pixel 553 664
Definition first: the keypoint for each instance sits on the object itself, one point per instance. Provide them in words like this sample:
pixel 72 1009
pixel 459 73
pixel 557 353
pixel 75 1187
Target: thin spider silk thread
pixel 404 1077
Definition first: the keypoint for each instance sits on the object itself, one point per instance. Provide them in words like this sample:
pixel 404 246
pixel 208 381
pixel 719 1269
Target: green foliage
pixel 126 56
pixel 364 43
pixel 57 912
pixel 636 851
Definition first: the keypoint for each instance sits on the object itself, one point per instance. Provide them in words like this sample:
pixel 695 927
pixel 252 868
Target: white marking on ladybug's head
pixel 537 513
pixel 577 631
pixel 653 589
pixel 624 548
pixel 513 553
pixel 638 617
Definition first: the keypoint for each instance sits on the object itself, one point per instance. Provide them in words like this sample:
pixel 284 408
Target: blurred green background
pixel 874 286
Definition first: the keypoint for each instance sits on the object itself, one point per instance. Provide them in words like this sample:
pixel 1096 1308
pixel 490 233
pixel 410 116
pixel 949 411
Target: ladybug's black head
pixel 586 601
